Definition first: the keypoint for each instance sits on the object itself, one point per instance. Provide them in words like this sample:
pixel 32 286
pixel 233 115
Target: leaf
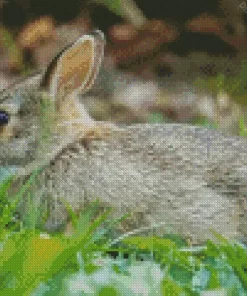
pixel 240 99
pixel 171 288
pixel 108 291
pixel 4 186
pixel 242 127
pixel 155 117
pixel 15 53
pixel 152 244
pixel 201 83
pixel 220 82
pixel 19 195
pixel 113 5
pixel 32 213
pixel 30 258
pixel 181 274
pixel 236 258
pixel 204 121
pixel 214 281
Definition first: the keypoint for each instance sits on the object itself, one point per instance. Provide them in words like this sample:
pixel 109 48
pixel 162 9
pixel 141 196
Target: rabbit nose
pixel 4 118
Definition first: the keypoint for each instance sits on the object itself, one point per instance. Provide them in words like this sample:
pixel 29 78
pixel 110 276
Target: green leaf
pixel 201 83
pixel 214 281
pixel 150 243
pixel 30 217
pixel 113 5
pixel 91 268
pixel 236 257
pixel 19 195
pixel 242 127
pixel 4 186
pixel 181 274
pixel 220 82
pixel 171 288
pixel 155 117
pixel 15 52
pixel 204 121
pixel 108 291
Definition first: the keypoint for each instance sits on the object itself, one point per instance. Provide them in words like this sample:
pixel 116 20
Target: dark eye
pixel 4 117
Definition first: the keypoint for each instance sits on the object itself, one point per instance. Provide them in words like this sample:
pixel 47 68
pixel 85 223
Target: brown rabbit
pixel 186 179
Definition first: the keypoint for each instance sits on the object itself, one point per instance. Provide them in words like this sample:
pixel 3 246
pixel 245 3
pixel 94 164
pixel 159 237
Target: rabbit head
pixel 35 111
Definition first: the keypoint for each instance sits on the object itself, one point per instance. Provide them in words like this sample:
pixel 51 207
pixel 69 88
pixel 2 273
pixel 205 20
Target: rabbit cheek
pixel 8 131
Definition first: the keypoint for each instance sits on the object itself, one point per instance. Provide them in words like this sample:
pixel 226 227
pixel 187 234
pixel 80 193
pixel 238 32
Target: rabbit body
pixel 187 179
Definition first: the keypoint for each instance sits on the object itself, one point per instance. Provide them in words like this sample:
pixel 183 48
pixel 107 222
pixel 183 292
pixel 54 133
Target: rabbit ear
pixel 76 67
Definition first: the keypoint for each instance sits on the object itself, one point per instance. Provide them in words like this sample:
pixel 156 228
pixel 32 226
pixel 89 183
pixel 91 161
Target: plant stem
pixel 132 13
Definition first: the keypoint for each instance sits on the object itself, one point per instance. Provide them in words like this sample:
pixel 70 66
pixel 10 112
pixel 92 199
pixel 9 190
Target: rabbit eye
pixel 4 117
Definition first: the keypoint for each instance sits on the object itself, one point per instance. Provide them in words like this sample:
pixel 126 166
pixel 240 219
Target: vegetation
pixel 33 262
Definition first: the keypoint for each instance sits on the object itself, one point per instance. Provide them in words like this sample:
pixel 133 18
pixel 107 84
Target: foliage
pixel 242 127
pixel 235 86
pixel 36 263
pixel 15 55
pixel 113 5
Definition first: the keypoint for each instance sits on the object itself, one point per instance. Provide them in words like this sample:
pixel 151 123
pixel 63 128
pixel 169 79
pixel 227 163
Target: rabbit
pixel 176 177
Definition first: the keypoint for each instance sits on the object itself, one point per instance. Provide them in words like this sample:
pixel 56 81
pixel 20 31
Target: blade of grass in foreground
pixel 236 256
pixel 31 258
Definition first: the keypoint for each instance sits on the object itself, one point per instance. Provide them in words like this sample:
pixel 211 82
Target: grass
pixel 234 86
pixel 33 262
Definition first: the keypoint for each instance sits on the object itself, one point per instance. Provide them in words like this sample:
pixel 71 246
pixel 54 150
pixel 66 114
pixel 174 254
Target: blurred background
pixel 165 61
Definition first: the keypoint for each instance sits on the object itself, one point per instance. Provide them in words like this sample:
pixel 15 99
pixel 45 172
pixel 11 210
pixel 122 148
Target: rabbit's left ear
pixel 76 67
